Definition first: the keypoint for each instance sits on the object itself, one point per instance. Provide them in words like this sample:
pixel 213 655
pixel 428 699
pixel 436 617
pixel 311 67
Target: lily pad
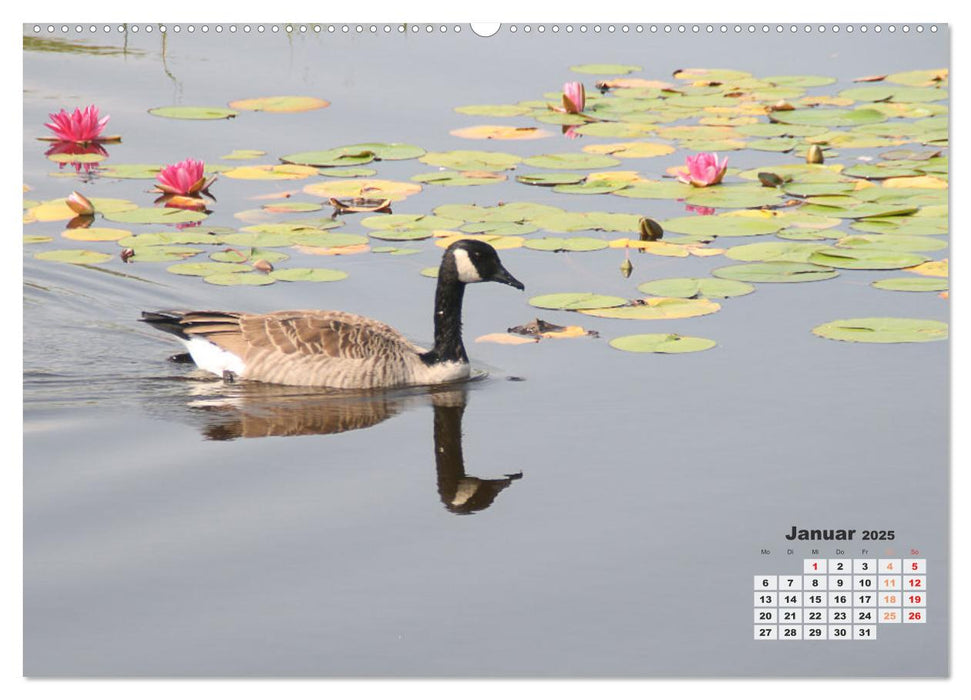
pixel 308 274
pixel 550 179
pixel 248 255
pixel 574 244
pixel 830 117
pixel 402 234
pixel 574 301
pixel 912 284
pixel 605 68
pixel 130 171
pixel 631 149
pixel 456 178
pixel 153 215
pixel 76 257
pixel 660 189
pixel 411 221
pixel 189 237
pixel 918 78
pixel 499 228
pixel 905 244
pixel 28 240
pixel 163 253
pixel 694 287
pixel 330 158
pixel 387 151
pixel 781 272
pixel 733 196
pixel 472 160
pixel 864 259
pixel 373 189
pixel 502 133
pixel 243 154
pixel 257 279
pixel 347 172
pixel 271 172
pixel 723 225
pixel 883 330
pixel 667 343
pixel 58 210
pixel 493 110
pixel 204 269
pixel 96 234
pixel 287 103
pixel 659 308
pixel 177 112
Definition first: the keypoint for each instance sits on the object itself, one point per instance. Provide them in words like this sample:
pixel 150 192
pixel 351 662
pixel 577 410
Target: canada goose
pixel 337 349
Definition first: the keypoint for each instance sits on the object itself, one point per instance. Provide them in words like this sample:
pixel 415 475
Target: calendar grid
pixel 840 599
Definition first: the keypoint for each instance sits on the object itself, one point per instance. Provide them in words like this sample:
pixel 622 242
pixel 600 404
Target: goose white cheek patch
pixel 466 268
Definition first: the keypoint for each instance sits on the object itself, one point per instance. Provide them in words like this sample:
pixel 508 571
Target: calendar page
pixel 279 421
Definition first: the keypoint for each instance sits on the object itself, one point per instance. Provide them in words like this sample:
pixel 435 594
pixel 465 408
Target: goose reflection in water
pixel 251 410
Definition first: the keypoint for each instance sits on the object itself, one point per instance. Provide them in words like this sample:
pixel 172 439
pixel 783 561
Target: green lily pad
pixel 130 171
pixel 658 308
pixel 800 80
pixel 571 161
pixel 773 251
pixel 733 196
pixel 204 269
pixel 912 284
pixel 499 228
pixel 663 189
pixel 291 227
pixel 903 225
pixel 905 244
pixel 880 172
pixel 621 130
pixel 455 178
pixel 327 240
pixel 28 240
pixel 259 240
pixel 308 274
pixel 605 68
pixel 163 253
pixel 830 117
pixel 816 189
pixel 247 255
pixel 864 210
pixel 919 78
pixel 77 257
pixel 568 222
pixel 574 301
pixel 667 343
pixel 348 172
pixel 694 287
pixel 153 215
pixel 331 157
pixel 550 179
pixel 257 279
pixel 472 160
pixel 411 221
pixel 192 237
pixel 773 130
pixel 388 151
pixel 598 187
pixel 493 110
pixel 291 207
pixel 723 225
pixel 575 244
pixel 177 112
pixel 429 272
pixel 781 272
pixel 780 145
pixel 883 330
pixel 401 234
pixel 865 259
pixel 243 154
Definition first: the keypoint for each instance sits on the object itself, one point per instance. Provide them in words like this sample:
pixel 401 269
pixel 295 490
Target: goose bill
pixel 502 275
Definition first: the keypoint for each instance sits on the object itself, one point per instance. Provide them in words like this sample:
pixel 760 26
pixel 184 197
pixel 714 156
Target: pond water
pixel 577 511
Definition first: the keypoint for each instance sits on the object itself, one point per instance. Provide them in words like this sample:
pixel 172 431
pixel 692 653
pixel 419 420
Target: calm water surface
pixel 600 516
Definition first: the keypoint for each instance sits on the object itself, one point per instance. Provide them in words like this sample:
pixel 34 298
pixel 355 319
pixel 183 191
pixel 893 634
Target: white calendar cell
pixel 915 599
pixel 814 632
pixel 814 617
pixel 865 583
pixel 765 616
pixel 864 632
pixel 840 599
pixel 915 566
pixel 814 583
pixel 888 599
pixel 813 600
pixel 839 616
pixel 766 632
pixel 766 583
pixel 889 583
pixel 790 617
pixel 889 566
pixel 814 566
pixel 914 583
pixel 889 616
pixel 840 583
pixel 790 583
pixel 840 566
pixel 864 616
pixel 790 599
pixel 792 633
pixel 864 566
pixel 841 632
pixel 865 600
pixel 765 599
pixel 915 616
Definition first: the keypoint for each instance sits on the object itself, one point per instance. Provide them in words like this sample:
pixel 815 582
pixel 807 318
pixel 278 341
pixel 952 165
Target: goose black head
pixel 475 261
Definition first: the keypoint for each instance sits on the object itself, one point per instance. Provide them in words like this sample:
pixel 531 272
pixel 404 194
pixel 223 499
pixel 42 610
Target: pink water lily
pixel 80 126
pixel 703 170
pixel 574 98
pixel 187 178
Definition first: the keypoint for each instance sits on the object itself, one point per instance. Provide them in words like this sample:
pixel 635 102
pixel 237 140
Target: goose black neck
pixel 448 321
